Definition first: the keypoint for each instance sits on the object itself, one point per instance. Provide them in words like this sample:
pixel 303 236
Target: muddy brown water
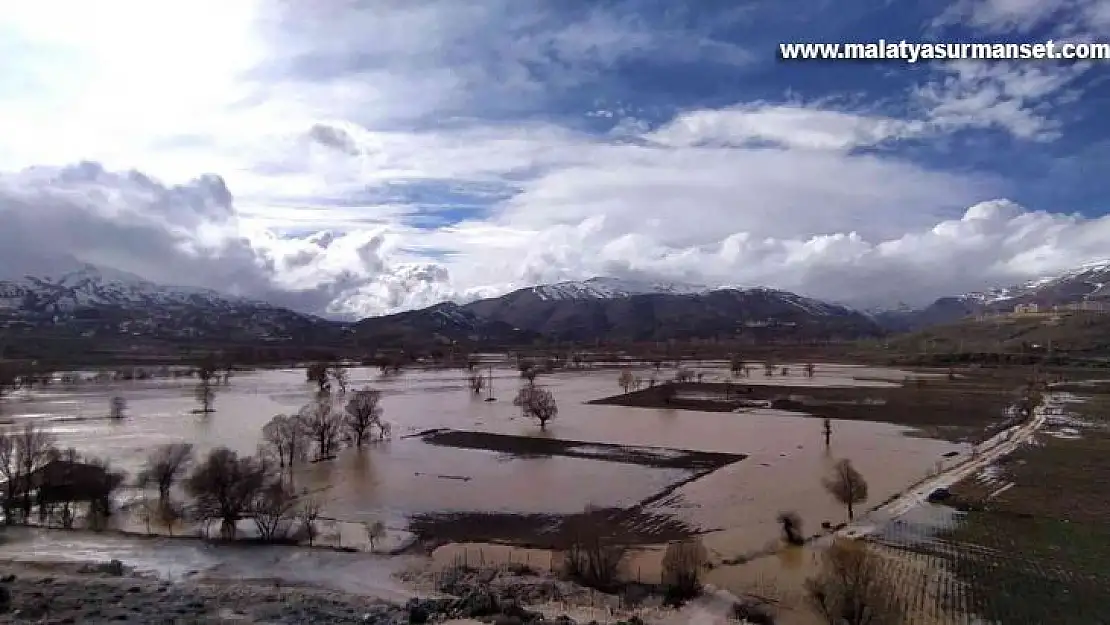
pixel 737 504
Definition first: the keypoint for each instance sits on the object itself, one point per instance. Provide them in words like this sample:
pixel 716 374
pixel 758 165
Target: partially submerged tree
pixel 626 380
pixel 286 438
pixel 317 373
pixel 164 466
pixel 362 412
pixel 684 375
pixel 853 589
pixel 847 485
pixel 375 531
pixel 223 485
pixel 339 377
pixel 323 423
pixel 768 369
pixel 736 365
pixel 477 382
pixel 273 510
pixel 810 368
pixel 22 454
pixel 307 514
pixel 528 371
pixel 205 396
pixel 117 407
pixel 827 429
pixel 537 403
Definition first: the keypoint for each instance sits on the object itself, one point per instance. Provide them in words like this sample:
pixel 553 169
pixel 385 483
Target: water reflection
pixel 787 455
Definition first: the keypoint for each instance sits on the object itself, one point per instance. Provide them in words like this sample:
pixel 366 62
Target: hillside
pixel 1074 332
pixel 1087 285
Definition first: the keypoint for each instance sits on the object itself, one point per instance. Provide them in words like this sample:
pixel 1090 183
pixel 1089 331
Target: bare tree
pixel 273 509
pixel 768 369
pixel 529 372
pixel 626 380
pixel 164 466
pixel 205 396
pixel 340 378
pixel 362 412
pixel 827 430
pixel 317 373
pixel 286 438
pixel 117 406
pixel 591 558
pixel 810 368
pixel 537 403
pixel 791 525
pixel 853 589
pixel 223 486
pixel 206 369
pixel 374 532
pixel 170 513
pixel 682 565
pixel 477 382
pixel 307 514
pixel 684 375
pixel 736 365
pixel 22 454
pixel 847 485
pixel 322 422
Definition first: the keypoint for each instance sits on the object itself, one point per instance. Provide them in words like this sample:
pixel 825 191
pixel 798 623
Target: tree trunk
pixel 851 513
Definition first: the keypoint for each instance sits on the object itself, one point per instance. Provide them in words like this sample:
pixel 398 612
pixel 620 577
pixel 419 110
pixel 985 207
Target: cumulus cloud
pixel 191 235
pixel 389 155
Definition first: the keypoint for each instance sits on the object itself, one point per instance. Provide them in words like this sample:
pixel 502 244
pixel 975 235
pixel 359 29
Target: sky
pixel 352 158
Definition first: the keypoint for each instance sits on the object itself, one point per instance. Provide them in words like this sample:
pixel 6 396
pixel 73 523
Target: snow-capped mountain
pixel 85 300
pixel 617 309
pixel 1089 282
pixel 610 288
pixel 90 286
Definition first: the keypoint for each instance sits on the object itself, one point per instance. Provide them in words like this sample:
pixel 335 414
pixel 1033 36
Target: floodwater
pixel 738 504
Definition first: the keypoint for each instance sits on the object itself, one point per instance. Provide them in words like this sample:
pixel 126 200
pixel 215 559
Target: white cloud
pixel 787 126
pixel 318 122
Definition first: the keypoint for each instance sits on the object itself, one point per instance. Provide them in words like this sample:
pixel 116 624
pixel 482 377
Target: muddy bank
pixel 968 409
pixel 526 446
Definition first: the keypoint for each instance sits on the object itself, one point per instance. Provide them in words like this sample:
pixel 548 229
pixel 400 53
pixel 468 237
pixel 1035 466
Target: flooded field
pixel 774 460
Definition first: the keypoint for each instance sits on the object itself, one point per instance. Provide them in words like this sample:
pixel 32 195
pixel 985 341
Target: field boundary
pixel 983 455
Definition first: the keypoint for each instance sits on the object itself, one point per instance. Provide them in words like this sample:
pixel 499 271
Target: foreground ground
pixel 1030 542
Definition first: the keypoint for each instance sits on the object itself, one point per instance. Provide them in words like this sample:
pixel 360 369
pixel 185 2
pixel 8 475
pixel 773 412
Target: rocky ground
pixel 62 593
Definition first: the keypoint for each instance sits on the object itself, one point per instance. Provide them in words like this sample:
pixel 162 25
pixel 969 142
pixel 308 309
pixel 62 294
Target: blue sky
pixel 370 157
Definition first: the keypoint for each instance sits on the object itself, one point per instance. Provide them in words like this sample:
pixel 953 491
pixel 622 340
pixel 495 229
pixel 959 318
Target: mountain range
pixel 95 302
pixel 1089 282
pixel 612 309
pixel 89 301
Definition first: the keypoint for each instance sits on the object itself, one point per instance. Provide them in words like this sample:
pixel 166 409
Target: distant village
pixel 1034 309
